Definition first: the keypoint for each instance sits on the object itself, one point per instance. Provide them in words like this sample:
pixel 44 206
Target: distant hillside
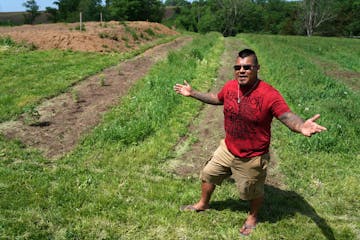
pixel 17 18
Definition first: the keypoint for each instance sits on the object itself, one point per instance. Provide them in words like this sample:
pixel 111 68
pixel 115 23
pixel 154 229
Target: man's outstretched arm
pixel 187 91
pixel 297 124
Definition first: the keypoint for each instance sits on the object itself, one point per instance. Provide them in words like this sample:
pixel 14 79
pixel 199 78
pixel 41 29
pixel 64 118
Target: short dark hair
pixel 248 52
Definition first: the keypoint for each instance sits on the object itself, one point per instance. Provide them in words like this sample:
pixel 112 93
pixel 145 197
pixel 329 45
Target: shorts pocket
pixel 207 161
pixel 264 161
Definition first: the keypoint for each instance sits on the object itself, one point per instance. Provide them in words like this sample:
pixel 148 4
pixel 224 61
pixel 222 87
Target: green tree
pixel 136 10
pixel 32 10
pixel 323 17
pixel 68 10
pixel 279 16
pixel 177 3
pixel 346 21
pixel 90 9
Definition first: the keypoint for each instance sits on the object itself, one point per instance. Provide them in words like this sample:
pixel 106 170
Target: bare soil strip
pixel 208 128
pixel 65 118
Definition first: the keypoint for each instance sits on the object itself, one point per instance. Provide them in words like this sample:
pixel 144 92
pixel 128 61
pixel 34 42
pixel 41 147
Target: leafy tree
pixel 143 10
pixel 177 3
pixel 32 9
pixel 53 14
pixel 347 20
pixel 117 9
pixel 275 13
pixel 68 10
pixel 184 19
pixel 90 9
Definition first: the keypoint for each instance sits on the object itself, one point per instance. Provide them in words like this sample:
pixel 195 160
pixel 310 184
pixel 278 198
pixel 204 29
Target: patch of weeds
pixel 115 37
pixel 196 53
pixel 31 115
pixel 81 28
pixel 123 23
pixel 111 36
pixel 104 25
pixel 132 32
pixel 143 36
pixel 125 39
pixel 7 43
pixel 75 95
pixel 120 71
pixel 150 32
pixel 103 35
pixel 105 46
pixel 102 79
pixel 135 36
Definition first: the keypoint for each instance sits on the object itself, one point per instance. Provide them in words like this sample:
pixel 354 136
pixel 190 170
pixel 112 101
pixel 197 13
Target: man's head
pixel 246 67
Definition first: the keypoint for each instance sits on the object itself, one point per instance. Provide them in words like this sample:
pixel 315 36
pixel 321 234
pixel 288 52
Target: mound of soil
pixel 95 37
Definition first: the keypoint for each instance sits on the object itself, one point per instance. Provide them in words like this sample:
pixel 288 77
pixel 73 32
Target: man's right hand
pixel 184 90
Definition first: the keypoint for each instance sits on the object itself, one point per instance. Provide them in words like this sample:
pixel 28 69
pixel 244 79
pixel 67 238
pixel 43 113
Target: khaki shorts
pixel 249 173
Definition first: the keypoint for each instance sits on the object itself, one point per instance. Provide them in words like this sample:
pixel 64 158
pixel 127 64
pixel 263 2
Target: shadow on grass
pixel 279 204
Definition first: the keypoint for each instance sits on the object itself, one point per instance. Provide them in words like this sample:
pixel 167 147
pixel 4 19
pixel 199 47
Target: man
pixel 249 106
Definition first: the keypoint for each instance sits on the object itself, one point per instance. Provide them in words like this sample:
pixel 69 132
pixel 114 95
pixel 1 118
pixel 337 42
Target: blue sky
pixel 16 5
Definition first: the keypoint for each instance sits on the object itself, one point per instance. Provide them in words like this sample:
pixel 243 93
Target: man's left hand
pixel 310 127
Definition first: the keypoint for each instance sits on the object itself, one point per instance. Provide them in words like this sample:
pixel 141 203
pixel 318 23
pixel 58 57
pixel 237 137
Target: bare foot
pixel 249 226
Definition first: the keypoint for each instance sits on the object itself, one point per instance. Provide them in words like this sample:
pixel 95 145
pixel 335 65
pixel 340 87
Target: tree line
pixel 307 17
pixel 230 17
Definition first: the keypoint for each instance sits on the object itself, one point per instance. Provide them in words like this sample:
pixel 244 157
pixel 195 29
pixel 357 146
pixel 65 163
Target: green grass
pixel 28 76
pixel 115 184
pixel 112 187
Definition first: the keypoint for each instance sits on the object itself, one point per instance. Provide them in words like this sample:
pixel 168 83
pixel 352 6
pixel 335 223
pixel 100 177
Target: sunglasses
pixel 246 67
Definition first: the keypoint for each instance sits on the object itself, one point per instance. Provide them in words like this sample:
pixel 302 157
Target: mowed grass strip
pixel 322 169
pixel 28 76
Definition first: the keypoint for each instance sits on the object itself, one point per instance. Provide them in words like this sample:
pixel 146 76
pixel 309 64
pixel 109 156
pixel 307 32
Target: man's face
pixel 246 70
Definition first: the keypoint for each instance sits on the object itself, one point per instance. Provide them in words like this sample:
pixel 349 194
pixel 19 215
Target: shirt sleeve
pixel 279 105
pixel 220 95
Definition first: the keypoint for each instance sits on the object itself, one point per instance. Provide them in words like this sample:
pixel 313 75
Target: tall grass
pixel 322 168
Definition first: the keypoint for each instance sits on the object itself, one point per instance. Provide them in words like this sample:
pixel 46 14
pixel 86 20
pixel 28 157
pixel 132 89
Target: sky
pixel 16 5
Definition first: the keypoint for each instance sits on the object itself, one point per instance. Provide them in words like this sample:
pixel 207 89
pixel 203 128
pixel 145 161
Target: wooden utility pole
pixel 80 21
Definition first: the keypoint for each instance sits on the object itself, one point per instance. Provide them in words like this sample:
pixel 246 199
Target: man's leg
pixel 213 173
pixel 251 220
pixel 250 177
pixel 206 191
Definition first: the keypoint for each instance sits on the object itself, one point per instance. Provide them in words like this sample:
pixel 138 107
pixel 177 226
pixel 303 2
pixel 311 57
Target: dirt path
pixel 65 118
pixel 208 127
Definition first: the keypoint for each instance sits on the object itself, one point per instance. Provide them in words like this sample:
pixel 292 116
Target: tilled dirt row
pixel 65 118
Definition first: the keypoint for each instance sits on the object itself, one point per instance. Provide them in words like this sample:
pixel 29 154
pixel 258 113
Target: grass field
pixel 114 185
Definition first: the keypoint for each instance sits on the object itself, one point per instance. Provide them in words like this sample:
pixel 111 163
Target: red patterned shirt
pixel 248 123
